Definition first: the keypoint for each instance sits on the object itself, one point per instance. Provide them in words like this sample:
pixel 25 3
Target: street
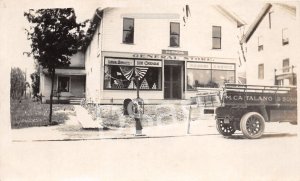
pixel 191 157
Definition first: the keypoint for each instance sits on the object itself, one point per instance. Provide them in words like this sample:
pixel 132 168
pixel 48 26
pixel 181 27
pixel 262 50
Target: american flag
pixel 141 72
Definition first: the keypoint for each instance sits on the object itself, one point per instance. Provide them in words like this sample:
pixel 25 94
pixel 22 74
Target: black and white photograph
pixel 149 90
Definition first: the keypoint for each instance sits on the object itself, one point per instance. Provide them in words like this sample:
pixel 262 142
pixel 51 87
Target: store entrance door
pixel 173 80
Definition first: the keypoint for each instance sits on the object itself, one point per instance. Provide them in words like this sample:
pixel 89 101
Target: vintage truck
pixel 248 107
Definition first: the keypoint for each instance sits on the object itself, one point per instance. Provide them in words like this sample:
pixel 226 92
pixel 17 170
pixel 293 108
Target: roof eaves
pixel 230 15
pixel 256 22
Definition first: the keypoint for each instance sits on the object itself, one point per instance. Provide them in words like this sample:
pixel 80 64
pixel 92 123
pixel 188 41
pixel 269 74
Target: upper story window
pixel 270 20
pixel 260 71
pixel 174 34
pixel 286 65
pixel 260 43
pixel 216 37
pixel 128 30
pixel 285 38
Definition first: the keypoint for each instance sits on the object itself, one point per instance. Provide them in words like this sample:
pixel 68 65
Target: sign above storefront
pixel 119 61
pixel 223 66
pixel 147 63
pixel 150 56
pixel 174 52
pixel 191 65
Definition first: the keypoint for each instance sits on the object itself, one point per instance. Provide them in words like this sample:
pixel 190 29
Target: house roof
pixel 230 15
pixel 265 9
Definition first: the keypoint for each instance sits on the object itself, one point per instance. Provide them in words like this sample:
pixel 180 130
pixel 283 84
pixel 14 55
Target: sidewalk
pixel 73 130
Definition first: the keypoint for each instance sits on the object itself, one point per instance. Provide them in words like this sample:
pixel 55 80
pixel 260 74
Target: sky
pixel 13 23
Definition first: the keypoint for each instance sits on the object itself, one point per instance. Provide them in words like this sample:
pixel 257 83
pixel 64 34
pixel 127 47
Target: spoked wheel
pixel 225 129
pixel 252 125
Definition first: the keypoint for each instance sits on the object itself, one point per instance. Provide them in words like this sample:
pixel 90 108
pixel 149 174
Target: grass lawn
pixel 31 114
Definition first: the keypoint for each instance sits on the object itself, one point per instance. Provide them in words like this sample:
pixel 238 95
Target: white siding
pixel 274 52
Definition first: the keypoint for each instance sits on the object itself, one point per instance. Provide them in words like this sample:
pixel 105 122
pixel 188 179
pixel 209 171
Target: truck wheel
pixel 252 125
pixel 224 128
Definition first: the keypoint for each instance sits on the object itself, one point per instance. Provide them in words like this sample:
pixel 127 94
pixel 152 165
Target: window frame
pixel 285 40
pixel 216 37
pixel 59 86
pixel 260 45
pixel 261 75
pixel 285 67
pixel 211 69
pixel 134 65
pixel 123 41
pixel 172 34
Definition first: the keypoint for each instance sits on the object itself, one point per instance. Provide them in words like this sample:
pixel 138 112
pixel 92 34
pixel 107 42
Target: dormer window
pixel 285 38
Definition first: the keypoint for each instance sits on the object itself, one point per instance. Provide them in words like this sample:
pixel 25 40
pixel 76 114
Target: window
pixel 285 65
pixel 118 74
pixel 270 20
pixel 128 30
pixel 216 37
pixel 63 84
pixel 260 43
pixel 174 34
pixel 209 75
pixel 285 38
pixel 261 71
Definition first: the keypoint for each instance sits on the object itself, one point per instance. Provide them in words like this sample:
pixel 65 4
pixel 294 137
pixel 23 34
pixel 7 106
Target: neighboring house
pixel 69 82
pixel 172 49
pixel 272 51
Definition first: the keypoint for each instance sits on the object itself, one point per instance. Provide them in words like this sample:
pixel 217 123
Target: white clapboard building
pixel 171 49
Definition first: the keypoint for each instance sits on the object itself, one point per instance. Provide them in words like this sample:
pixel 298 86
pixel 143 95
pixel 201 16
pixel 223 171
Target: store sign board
pixel 174 52
pixel 191 65
pixel 119 61
pixel 223 66
pixel 147 63
pixel 173 57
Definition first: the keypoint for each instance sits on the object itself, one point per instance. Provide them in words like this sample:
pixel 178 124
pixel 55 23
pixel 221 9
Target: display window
pixel 209 75
pixel 119 74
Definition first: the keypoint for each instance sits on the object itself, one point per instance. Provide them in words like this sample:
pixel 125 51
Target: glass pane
pixel 198 78
pixel 174 40
pixel 63 83
pixel 216 43
pixel 116 77
pixel 175 28
pixel 128 36
pixel 220 77
pixel 153 78
pixel 128 24
pixel 216 31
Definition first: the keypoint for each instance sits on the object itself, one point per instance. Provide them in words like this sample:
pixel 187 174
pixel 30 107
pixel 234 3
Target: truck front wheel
pixel 225 129
pixel 252 125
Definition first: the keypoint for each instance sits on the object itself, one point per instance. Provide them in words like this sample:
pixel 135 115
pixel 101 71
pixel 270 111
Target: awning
pixel 68 71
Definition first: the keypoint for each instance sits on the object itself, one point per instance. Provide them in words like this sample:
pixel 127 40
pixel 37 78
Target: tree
pixel 55 36
pixel 18 83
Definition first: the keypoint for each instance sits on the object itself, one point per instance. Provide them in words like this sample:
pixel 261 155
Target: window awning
pixel 68 71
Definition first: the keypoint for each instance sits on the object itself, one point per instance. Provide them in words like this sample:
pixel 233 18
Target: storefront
pixel 162 77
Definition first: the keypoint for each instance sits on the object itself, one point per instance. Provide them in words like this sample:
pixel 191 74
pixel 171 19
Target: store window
pixel 128 30
pixel 261 71
pixel 209 75
pixel 285 38
pixel 63 84
pixel 119 73
pixel 216 37
pixel 174 34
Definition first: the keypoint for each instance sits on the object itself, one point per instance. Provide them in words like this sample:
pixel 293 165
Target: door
pixel 172 82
